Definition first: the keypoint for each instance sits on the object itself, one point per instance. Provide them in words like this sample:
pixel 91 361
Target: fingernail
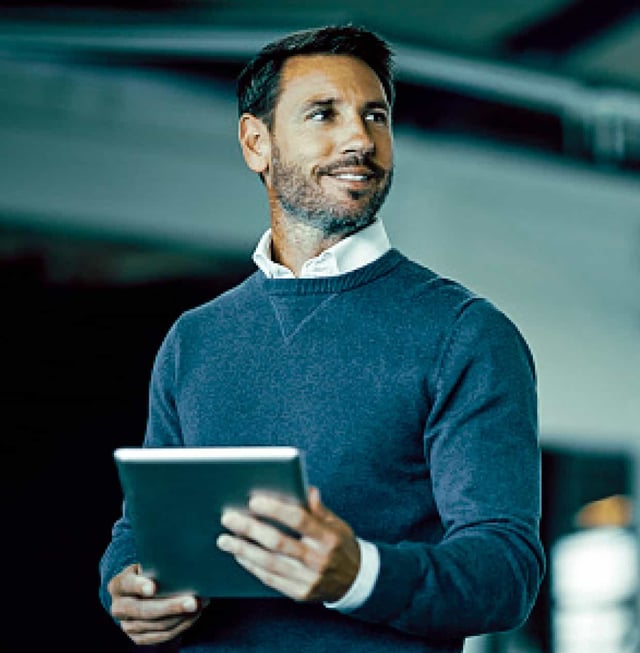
pixel 229 518
pixel 224 542
pixel 147 589
pixel 260 503
pixel 190 604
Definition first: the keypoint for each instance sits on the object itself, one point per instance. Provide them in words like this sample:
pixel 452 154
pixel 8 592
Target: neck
pixel 293 243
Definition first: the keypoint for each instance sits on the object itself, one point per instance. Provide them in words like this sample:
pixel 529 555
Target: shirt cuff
pixel 363 585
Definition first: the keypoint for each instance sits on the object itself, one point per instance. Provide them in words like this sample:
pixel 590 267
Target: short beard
pixel 310 205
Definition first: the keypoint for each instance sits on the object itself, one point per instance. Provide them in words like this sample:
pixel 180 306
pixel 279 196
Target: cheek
pixel 384 148
pixel 313 146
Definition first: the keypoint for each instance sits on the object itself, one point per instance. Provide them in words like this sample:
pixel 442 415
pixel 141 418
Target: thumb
pixel 316 507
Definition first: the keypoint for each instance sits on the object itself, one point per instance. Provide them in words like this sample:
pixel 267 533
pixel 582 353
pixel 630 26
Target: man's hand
pixel 145 618
pixel 319 566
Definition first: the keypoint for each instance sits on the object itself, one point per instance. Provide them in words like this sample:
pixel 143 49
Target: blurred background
pixel 124 200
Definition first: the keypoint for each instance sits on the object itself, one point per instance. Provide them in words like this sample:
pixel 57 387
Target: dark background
pixel 76 363
pixel 77 355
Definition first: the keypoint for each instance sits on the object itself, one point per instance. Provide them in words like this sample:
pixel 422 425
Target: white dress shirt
pixel 350 253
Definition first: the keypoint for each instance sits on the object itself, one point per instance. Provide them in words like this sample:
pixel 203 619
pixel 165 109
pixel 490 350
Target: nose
pixel 357 136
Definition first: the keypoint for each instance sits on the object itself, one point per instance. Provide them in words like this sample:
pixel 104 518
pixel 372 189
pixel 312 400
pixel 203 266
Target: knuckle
pixel 308 592
pixel 251 530
pixel 271 566
pixel 293 549
pixel 321 565
pixel 117 614
pixel 115 610
pixel 301 594
pixel 139 609
pixel 121 610
pixel 299 519
pixel 274 540
pixel 311 559
pixel 126 627
pixel 332 541
pixel 237 546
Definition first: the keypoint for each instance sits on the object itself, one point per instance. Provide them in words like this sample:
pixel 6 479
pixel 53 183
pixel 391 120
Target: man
pixel 413 399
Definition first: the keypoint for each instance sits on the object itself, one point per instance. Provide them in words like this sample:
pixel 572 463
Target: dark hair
pixel 258 84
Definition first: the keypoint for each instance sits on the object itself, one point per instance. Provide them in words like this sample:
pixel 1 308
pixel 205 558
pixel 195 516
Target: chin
pixel 345 225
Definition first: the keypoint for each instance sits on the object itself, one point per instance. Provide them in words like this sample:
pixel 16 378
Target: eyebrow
pixel 329 102
pixel 378 104
pixel 322 103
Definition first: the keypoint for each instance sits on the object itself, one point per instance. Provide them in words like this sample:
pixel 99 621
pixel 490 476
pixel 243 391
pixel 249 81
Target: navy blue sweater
pixel 414 401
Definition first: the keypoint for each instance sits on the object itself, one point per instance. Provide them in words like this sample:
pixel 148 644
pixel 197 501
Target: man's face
pixel 331 145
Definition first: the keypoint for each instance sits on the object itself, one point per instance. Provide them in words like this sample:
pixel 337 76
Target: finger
pixel 320 530
pixel 273 563
pixel 142 626
pixel 316 506
pixel 160 635
pixel 290 515
pixel 164 624
pixel 131 582
pixel 292 587
pixel 128 608
pixel 266 535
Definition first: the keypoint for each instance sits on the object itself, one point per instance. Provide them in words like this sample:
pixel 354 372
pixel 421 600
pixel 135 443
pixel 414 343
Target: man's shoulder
pixel 219 307
pixel 423 284
pixel 443 300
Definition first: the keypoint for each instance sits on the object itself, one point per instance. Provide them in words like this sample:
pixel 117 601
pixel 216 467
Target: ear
pixel 255 142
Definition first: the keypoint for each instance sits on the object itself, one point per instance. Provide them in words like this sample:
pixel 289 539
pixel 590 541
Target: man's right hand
pixel 145 618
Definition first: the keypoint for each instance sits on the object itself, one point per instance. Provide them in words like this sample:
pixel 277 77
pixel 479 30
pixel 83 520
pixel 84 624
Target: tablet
pixel 174 500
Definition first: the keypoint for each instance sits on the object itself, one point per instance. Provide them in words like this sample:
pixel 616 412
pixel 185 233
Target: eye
pixel 321 115
pixel 378 116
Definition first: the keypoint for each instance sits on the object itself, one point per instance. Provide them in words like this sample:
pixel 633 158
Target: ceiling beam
pixel 570 27
pixel 603 122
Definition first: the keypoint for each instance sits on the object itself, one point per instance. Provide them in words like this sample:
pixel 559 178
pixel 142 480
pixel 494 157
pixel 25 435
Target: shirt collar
pixel 347 255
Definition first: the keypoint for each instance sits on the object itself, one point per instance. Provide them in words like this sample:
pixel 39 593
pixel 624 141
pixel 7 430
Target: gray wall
pixel 556 246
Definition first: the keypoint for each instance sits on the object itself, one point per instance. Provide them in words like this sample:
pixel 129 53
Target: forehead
pixel 340 77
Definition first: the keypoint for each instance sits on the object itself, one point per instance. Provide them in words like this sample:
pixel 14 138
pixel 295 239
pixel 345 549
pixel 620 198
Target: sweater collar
pixel 347 255
pixel 331 285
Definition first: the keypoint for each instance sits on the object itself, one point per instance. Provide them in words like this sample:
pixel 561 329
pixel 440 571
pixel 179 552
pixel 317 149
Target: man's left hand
pixel 319 566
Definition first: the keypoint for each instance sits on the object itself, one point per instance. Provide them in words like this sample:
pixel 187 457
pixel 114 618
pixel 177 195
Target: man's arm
pixel 482 450
pixel 125 592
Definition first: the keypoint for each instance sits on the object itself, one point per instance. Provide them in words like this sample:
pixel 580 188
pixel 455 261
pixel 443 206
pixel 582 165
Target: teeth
pixel 351 177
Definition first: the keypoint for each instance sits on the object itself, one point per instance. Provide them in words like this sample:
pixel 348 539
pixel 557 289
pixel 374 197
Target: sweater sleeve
pixel 481 449
pixel 163 429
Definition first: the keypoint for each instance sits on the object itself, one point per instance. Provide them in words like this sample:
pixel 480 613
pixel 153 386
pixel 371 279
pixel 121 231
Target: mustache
pixel 354 161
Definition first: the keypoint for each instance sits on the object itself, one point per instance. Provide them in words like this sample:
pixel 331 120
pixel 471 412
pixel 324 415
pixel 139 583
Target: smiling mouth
pixel 356 168
pixel 356 185
pixel 355 174
pixel 352 176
